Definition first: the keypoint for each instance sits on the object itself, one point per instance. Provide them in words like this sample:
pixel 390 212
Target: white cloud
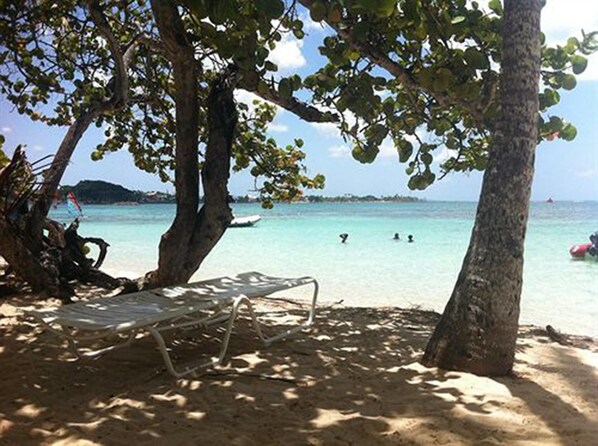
pixel 287 54
pixel 247 98
pixel 564 19
pixel 444 155
pixel 590 173
pixel 327 129
pixel 339 151
pixel 38 148
pixel 388 149
pixel 6 130
pixel 279 128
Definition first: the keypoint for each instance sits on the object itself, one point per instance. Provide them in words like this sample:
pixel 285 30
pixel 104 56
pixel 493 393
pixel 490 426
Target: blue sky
pixel 564 171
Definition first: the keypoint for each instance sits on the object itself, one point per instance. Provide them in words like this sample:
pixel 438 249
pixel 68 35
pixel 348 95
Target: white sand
pixel 354 380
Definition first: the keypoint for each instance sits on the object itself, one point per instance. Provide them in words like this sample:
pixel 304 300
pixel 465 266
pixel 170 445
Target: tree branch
pixel 301 109
pixel 404 76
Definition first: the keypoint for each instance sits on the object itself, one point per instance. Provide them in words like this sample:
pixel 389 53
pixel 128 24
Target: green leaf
pixel 426 158
pixel 476 59
pixel 405 149
pixel 285 88
pixel 568 133
pixel 272 9
pixel 569 82
pixel 496 6
pixel 579 64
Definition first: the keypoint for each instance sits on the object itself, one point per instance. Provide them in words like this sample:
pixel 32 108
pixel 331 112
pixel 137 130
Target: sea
pixel 371 268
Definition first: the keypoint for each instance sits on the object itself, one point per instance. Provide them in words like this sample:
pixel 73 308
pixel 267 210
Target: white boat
pixel 244 222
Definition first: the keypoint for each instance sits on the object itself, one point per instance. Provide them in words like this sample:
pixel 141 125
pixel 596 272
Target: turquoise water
pixel 371 268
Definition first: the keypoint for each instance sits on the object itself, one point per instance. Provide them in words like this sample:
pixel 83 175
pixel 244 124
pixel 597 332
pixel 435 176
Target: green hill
pixel 102 192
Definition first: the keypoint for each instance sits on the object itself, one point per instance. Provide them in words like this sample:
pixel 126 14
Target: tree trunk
pixel 185 246
pixel 41 207
pixel 193 234
pixel 478 329
pixel 26 264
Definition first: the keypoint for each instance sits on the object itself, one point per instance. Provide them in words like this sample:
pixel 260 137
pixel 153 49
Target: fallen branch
pixel 556 336
pixel 251 375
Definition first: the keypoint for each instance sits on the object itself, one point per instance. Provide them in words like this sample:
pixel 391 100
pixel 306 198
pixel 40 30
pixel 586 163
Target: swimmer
pixel 410 238
pixel 396 237
pixel 344 236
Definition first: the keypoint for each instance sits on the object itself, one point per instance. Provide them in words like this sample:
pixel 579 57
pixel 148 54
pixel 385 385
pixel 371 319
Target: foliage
pixel 55 64
pixel 422 73
pixel 54 61
pixel 425 74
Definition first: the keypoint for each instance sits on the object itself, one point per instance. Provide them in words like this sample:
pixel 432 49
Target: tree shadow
pixel 352 379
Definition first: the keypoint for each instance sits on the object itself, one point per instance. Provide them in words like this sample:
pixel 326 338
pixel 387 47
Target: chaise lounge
pixel 192 305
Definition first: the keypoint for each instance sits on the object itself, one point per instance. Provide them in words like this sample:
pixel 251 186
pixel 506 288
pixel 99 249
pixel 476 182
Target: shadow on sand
pixel 352 379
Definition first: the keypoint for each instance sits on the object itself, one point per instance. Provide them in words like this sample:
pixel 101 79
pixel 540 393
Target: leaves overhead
pixel 425 74
pixel 422 74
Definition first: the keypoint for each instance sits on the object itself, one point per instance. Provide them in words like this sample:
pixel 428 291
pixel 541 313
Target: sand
pixel 353 379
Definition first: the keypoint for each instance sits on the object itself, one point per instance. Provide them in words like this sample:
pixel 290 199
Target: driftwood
pixel 52 262
pixel 556 336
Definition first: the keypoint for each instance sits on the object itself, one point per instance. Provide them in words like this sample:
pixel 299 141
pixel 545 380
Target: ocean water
pixel 372 268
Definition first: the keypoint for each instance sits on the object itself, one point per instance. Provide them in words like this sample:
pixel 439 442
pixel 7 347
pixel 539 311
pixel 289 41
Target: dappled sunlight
pixel 351 378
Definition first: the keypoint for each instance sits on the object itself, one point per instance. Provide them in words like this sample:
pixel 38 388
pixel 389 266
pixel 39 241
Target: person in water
pixel 396 237
pixel 593 248
pixel 410 238
pixel 344 236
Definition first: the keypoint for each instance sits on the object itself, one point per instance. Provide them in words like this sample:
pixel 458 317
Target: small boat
pixel 244 222
pixel 550 200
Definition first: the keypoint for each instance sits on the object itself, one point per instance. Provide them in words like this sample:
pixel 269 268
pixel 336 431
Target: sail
pixel 72 205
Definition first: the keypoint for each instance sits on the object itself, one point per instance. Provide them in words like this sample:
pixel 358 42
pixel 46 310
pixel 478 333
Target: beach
pixel 353 378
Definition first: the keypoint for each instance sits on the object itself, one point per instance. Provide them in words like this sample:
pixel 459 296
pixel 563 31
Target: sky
pixel 564 170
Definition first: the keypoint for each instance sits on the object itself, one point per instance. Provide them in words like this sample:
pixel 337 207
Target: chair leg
pixel 308 322
pixel 168 361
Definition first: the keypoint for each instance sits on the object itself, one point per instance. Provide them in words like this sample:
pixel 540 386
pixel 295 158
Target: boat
pixel 550 200
pixel 244 222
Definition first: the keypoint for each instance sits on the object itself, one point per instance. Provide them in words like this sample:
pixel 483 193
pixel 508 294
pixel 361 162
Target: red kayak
pixel 579 251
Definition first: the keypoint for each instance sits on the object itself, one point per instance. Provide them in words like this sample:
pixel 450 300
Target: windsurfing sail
pixel 72 205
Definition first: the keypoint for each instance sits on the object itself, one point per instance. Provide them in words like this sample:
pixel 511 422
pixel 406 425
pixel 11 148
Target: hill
pixel 102 192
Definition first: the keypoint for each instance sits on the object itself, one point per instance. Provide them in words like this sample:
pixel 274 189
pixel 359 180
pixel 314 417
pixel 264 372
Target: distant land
pixel 102 192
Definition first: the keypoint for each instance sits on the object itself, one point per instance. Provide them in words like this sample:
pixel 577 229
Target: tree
pixel 44 58
pixel 438 77
pixel 214 120
pixel 136 106
pixel 478 329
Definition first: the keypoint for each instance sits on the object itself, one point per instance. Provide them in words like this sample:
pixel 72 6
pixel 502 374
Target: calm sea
pixel 372 268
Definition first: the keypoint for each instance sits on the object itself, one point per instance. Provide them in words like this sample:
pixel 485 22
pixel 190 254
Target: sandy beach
pixel 353 379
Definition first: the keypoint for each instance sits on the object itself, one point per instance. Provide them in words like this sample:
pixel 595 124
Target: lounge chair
pixel 192 305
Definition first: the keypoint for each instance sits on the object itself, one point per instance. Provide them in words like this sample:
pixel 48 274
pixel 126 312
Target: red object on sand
pixel 579 251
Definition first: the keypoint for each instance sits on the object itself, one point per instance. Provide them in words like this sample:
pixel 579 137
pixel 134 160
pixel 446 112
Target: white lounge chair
pixel 198 304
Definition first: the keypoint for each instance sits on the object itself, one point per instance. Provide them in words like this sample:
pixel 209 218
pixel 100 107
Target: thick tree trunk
pixel 193 234
pixel 215 214
pixel 478 329
pixel 185 246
